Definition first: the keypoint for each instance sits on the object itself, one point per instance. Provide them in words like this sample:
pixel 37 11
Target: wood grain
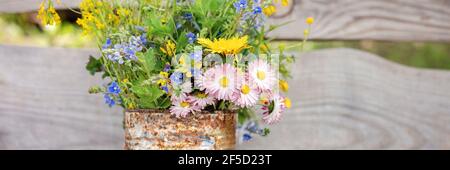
pixel 399 20
pixel 343 99
pixel 349 99
pixel 44 102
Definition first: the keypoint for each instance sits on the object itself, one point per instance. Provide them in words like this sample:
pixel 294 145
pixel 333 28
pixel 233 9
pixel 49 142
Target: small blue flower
pixel 107 44
pixel 240 5
pixel 246 137
pixel 114 88
pixel 178 26
pixel 197 55
pixel 191 37
pixel 140 28
pixel 188 16
pixel 165 88
pixel 109 100
pixel 257 10
pixel 176 78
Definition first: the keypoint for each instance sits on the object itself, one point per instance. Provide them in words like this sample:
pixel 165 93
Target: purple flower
pixel 165 88
pixel 191 37
pixel 166 67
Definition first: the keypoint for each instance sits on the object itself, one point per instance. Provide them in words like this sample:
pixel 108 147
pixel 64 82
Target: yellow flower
pixel 285 2
pixel 310 20
pixel 225 46
pixel 284 86
pixel 169 48
pixel 287 102
pixel 47 14
pixel 269 10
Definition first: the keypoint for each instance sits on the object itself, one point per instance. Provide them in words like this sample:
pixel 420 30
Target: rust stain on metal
pixel 154 130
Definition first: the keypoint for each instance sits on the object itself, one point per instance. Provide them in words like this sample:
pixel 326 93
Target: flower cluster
pixel 189 56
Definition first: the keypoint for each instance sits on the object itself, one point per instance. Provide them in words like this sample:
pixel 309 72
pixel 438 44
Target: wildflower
pixel 109 100
pixel 257 10
pixel 246 137
pixel 182 108
pixel 201 99
pixel 165 88
pixel 47 14
pixel 240 5
pixel 187 16
pixel 191 37
pixel 176 78
pixel 284 86
pixel 287 102
pixel 107 44
pixel 114 88
pixel 273 112
pixel 262 75
pixel 284 2
pixel 269 10
pixel 247 96
pixel 221 81
pixel 169 48
pixel 310 20
pixel 166 67
pixel 225 46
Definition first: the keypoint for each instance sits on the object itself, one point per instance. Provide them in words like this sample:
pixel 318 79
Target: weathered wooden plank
pixel 44 102
pixel 343 99
pixel 348 99
pixel 16 6
pixel 399 20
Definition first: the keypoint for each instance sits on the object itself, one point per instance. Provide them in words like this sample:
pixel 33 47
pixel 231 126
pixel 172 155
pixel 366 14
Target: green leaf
pixel 94 65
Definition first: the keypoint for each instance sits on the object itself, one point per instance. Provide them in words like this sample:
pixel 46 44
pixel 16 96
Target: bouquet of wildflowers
pixel 187 56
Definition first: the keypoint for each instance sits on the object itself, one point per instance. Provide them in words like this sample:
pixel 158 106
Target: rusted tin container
pixel 159 130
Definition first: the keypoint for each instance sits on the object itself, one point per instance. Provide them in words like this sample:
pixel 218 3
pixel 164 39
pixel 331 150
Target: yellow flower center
pixel 184 104
pixel 201 95
pixel 223 82
pixel 245 89
pixel 287 102
pixel 261 75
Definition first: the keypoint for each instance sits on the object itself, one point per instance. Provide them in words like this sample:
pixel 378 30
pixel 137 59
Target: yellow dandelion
pixel 225 46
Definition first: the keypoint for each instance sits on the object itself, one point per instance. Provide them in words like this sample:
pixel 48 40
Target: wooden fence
pixel 343 98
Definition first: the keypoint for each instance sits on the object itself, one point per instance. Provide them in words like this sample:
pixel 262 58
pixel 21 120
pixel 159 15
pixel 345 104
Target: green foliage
pixel 94 65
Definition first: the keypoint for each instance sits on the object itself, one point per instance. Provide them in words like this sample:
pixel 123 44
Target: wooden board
pixel 399 20
pixel 343 99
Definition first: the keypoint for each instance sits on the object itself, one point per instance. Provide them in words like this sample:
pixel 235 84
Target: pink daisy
pixel 262 75
pixel 221 81
pixel 246 96
pixel 274 116
pixel 182 108
pixel 201 100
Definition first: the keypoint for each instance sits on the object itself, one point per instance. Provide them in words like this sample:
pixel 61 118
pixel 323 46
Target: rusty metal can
pixel 159 130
